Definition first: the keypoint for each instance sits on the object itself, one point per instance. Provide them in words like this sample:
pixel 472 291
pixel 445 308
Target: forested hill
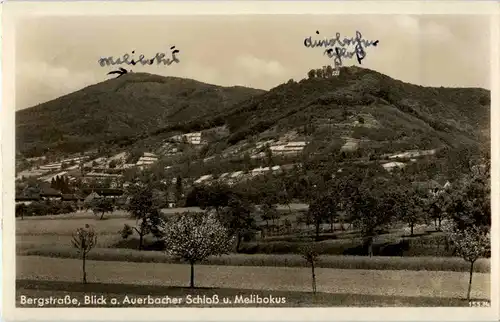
pixel 127 106
pixel 366 105
pixel 361 105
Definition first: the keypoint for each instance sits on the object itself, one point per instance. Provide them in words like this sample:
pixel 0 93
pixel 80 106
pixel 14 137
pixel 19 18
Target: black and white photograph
pixel 252 161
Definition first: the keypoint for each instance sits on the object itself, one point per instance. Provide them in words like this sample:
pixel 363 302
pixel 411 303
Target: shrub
pixel 126 231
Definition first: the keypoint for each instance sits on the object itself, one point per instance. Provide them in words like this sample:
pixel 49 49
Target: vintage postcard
pixel 239 159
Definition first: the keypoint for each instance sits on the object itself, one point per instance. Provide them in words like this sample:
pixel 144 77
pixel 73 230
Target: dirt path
pixel 368 282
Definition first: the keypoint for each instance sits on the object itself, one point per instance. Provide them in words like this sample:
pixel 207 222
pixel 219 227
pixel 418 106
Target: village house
pixel 51 167
pixel 259 171
pixel 103 192
pixel 191 138
pixel 147 159
pixel 27 199
pixel 288 148
pixel 49 193
pixel 76 198
pixel 224 175
pixel 235 177
pixel 171 200
pixel 90 197
pixel 412 154
pixel 203 178
pixel 431 186
pixel 389 166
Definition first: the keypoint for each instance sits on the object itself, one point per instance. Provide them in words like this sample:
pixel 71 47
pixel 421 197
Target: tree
pixel 269 212
pixel 215 196
pixel 84 240
pixel 310 254
pixel 146 213
pixel 102 205
pixel 322 208
pixel 311 73
pixel 193 237
pixel 238 219
pixel 469 212
pixel 436 206
pixel 470 201
pixel 471 244
pixel 179 191
pixel 269 156
pixel 113 164
pixel 408 206
pixel 370 209
pixel 247 161
pixel 329 71
pixel 21 210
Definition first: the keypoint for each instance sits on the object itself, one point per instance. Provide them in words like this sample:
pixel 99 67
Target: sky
pixel 59 55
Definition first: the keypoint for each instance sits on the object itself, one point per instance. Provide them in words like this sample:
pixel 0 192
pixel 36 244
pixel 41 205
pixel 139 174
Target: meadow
pixel 47 264
pixel 50 236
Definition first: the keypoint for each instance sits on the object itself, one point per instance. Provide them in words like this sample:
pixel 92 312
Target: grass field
pixel 34 288
pixel 288 260
pixel 51 237
pixel 48 265
pixel 292 279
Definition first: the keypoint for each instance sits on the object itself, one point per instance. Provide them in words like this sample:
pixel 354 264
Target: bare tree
pixel 84 239
pixel 310 254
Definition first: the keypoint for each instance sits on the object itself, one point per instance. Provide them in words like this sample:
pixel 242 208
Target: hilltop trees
pixel 193 237
pixel 324 72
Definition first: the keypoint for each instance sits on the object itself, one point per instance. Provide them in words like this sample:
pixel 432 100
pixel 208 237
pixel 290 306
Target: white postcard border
pixel 14 10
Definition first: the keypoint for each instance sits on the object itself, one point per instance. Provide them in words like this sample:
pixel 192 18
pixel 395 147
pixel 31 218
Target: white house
pixel 276 168
pixel 412 154
pixel 258 171
pixel 147 159
pixel 288 148
pixel 191 138
pixel 203 178
pixel 389 166
pixel 51 167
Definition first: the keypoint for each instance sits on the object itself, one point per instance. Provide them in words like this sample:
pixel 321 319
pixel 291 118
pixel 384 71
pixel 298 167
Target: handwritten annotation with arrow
pixel 122 71
pixel 130 60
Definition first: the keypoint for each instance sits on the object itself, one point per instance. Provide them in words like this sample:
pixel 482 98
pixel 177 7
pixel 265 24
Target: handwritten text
pixel 130 60
pixel 339 47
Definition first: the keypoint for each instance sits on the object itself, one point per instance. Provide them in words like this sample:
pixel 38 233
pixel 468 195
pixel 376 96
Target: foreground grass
pixel 294 279
pixel 36 288
pixel 453 264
